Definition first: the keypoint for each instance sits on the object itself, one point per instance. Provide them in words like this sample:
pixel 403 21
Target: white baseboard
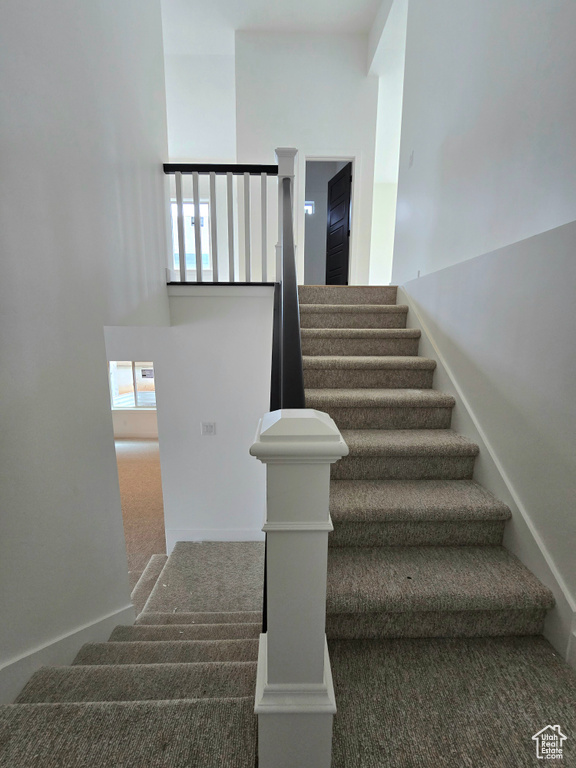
pixel 15 673
pixel 174 535
pixel 524 542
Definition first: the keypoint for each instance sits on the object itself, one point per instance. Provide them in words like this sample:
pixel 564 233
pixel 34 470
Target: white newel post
pixel 294 693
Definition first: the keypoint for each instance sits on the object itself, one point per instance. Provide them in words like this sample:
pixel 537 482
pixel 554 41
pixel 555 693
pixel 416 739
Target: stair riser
pixel 356 378
pixel 241 617
pixel 140 683
pixel 167 653
pixel 403 468
pixel 352 319
pixel 372 626
pixel 402 347
pixel 151 632
pixel 347 294
pixel 387 418
pixel 410 533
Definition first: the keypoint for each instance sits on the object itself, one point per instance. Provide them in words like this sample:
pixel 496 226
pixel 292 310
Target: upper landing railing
pixel 224 223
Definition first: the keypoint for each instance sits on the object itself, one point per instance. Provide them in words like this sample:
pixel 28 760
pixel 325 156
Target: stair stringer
pixel 520 536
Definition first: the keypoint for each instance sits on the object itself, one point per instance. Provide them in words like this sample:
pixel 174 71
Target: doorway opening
pixel 133 402
pixel 327 222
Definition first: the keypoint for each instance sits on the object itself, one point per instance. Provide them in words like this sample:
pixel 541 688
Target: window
pixel 132 384
pixel 189 236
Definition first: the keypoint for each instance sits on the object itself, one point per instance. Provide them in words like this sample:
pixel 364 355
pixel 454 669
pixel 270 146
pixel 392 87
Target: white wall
pixel 201 108
pixel 387 61
pixel 505 324
pixel 489 110
pixel 82 235
pixel 383 227
pixel 312 92
pixel 212 365
pixel 141 423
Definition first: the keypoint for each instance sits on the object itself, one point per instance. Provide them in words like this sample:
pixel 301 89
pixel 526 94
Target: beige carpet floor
pixel 142 507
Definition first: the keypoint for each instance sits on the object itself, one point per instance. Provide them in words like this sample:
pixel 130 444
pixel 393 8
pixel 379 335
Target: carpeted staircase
pixel 416 549
pixel 433 626
pixel 175 690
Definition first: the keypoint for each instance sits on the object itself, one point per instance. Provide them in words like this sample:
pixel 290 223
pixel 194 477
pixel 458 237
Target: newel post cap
pixel 298 435
pixel 285 158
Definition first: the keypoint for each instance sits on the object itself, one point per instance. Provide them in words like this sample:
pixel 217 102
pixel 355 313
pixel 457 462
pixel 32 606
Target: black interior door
pixel 338 232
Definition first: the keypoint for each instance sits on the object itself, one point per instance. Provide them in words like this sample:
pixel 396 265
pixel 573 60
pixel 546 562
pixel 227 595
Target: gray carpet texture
pixel 353 316
pixel 173 691
pixel 208 733
pixel 416 548
pixel 457 703
pixel 211 576
pixel 202 617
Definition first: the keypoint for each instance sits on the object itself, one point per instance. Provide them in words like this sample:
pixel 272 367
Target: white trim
pixel 556 631
pixel 228 291
pixel 292 698
pixel 60 650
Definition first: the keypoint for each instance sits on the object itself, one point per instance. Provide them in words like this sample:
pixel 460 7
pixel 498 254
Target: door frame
pixel 344 157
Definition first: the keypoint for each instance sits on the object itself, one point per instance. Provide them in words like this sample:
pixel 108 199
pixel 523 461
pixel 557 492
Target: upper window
pixel 132 384
pixel 189 236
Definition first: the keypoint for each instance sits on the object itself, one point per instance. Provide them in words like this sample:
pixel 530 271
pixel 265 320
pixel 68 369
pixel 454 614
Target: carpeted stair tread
pixel 166 734
pixel 167 652
pixel 145 583
pixel 198 575
pixel 456 703
pixel 367 362
pixel 407 442
pixel 352 309
pixel 414 513
pixel 347 294
pixel 368 408
pixel 353 316
pixel 405 579
pixel 141 682
pixel 405 454
pixel 320 399
pixel 200 617
pixel 360 333
pixel 185 632
pixel 408 500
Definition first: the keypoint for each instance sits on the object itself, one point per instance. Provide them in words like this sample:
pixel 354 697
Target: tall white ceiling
pixel 200 27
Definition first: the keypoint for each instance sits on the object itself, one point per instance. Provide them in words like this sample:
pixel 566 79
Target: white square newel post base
pixel 294 693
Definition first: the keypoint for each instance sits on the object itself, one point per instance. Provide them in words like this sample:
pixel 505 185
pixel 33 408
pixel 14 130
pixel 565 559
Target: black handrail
pixel 291 372
pixel 287 376
pixel 236 169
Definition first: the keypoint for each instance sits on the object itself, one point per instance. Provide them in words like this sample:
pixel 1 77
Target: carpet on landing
pixel 210 576
pixel 456 703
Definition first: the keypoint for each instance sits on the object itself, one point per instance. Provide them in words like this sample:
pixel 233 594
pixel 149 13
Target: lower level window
pixel 132 384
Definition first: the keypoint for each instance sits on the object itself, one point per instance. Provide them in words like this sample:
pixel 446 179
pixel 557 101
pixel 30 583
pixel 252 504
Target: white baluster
pixel 213 229
pixel 230 201
pixel 197 235
pixel 247 226
pixel 181 240
pixel 264 201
